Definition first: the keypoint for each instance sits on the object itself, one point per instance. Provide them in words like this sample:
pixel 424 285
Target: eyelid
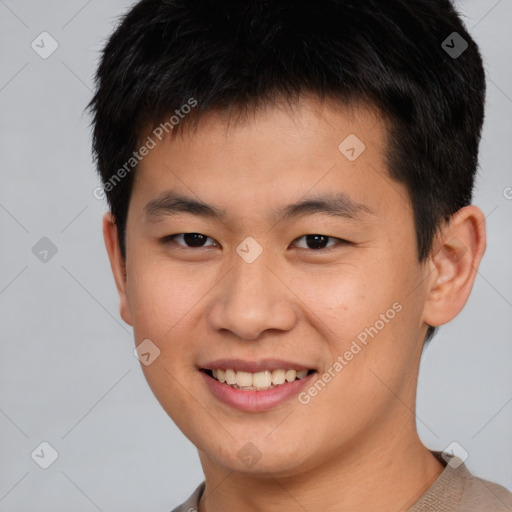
pixel 170 238
pixel 341 241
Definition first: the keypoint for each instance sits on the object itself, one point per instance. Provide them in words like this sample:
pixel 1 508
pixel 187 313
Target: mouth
pixel 255 386
pixel 259 381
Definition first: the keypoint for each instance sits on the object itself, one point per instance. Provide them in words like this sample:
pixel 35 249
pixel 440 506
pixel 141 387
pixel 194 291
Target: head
pixel 213 118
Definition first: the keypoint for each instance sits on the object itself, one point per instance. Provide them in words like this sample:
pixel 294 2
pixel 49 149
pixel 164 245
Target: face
pixel 264 247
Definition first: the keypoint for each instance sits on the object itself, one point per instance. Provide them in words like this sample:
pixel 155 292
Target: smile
pixel 257 391
pixel 259 381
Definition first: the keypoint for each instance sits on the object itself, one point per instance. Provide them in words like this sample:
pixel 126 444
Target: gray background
pixel 67 372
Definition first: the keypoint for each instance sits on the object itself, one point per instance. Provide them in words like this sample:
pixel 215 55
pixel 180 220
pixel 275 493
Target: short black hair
pixel 395 56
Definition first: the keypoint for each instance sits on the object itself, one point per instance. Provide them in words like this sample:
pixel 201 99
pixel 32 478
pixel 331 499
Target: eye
pixel 191 240
pixel 318 242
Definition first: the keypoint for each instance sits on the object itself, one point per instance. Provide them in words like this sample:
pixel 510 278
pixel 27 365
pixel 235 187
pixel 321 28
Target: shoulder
pixel 192 503
pixel 458 490
pixel 480 494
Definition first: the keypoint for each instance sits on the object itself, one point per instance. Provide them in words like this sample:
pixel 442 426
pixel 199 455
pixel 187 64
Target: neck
pixel 389 475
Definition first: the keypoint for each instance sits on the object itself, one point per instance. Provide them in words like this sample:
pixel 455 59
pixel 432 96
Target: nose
pixel 252 299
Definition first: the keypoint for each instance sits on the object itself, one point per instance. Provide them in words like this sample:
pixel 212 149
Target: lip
pixel 254 366
pixel 256 401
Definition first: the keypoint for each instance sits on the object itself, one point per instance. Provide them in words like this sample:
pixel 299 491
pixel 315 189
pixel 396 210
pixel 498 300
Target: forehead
pixel 271 156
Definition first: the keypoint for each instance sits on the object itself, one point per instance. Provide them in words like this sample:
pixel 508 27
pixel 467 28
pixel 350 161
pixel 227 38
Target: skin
pixel 354 446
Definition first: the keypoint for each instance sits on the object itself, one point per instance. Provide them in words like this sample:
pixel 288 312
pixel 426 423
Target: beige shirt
pixel 455 490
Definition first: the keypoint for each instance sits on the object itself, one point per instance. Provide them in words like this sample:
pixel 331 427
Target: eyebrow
pixel 335 205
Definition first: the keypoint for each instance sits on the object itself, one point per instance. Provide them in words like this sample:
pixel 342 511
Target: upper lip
pixel 253 366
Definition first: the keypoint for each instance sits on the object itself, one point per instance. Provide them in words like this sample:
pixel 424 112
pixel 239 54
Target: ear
pixel 117 263
pixel 454 262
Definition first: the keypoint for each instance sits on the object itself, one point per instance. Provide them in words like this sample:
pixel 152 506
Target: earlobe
pixel 460 245
pixel 117 264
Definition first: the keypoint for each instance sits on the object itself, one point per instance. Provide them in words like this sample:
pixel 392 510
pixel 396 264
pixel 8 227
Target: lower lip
pixel 255 401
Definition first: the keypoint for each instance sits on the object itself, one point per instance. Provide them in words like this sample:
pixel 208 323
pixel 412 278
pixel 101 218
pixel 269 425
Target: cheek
pixel 161 296
pixel 368 317
pixel 164 303
pixel 344 300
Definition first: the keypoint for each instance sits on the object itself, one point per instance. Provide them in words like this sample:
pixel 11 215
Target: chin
pixel 258 459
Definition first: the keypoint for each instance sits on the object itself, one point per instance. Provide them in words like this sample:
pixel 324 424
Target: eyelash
pixel 170 238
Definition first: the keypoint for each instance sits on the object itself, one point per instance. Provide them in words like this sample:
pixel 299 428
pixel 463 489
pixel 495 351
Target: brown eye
pixel 189 240
pixel 318 242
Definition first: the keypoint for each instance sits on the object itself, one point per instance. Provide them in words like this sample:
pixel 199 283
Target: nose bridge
pixel 251 299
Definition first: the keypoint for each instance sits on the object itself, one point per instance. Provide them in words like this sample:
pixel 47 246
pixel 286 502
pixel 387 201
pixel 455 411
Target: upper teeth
pixel 260 380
